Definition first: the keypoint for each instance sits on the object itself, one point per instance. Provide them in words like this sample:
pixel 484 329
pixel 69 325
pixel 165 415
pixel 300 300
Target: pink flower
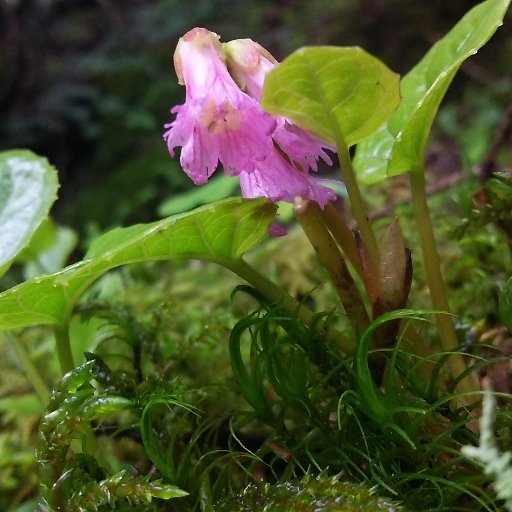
pixel 221 123
pixel 218 122
pixel 248 62
pixel 278 180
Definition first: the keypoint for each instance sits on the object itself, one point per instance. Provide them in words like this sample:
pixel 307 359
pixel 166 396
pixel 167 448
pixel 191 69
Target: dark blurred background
pixel 89 84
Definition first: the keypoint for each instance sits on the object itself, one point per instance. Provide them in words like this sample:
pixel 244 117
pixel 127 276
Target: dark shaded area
pixel 89 84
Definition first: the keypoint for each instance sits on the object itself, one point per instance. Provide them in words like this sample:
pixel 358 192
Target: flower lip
pixel 279 180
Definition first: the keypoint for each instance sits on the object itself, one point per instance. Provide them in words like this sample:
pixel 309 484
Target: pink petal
pixel 277 180
pixel 218 122
pixel 301 147
pixel 277 230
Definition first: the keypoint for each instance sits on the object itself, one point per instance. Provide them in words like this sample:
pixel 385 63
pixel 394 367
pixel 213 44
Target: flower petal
pixel 302 147
pixel 218 122
pixel 249 63
pixel 278 180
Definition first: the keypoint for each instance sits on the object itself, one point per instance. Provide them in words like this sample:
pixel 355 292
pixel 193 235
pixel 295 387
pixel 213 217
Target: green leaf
pixel 48 249
pixel 13 408
pixel 28 188
pixel 56 256
pixel 399 144
pixel 218 188
pixel 221 233
pixel 505 305
pixel 328 89
pixel 43 238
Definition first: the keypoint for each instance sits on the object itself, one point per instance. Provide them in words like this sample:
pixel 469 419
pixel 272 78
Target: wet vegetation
pixel 151 367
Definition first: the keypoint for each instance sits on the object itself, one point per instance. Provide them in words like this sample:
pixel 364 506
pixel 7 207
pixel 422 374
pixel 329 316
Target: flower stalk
pixel 342 234
pixel 309 216
pixel 63 345
pixel 358 206
pixel 30 370
pixel 438 295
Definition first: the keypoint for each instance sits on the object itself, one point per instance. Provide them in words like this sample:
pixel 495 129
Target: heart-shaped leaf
pixel 221 233
pixel 330 89
pixel 28 188
pixel 399 144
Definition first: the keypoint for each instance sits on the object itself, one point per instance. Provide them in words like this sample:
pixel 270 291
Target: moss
pixel 309 495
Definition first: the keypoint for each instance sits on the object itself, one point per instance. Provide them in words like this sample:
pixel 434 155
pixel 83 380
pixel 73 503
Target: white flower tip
pixel 248 60
pixel 199 38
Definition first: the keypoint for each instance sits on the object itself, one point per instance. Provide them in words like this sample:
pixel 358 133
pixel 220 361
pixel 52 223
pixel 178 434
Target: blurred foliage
pixel 90 84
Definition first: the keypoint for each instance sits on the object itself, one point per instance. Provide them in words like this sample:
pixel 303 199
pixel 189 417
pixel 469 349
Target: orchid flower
pixel 219 122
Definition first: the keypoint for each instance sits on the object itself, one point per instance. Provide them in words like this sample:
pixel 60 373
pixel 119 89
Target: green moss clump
pixel 309 495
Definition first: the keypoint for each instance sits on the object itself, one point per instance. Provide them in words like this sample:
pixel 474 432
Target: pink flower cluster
pixel 222 121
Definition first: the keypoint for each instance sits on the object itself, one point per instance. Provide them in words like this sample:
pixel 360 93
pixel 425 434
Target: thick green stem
pixel 30 370
pixel 64 347
pixel 309 216
pixel 438 295
pixel 278 296
pixel 359 210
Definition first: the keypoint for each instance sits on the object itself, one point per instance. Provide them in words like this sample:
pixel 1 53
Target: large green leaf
pixel 399 144
pixel 28 188
pixel 221 233
pixel 329 89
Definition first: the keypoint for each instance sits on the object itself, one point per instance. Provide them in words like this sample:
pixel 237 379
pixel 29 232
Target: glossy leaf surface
pixel 221 233
pixel 329 89
pixel 28 188
pixel 399 144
